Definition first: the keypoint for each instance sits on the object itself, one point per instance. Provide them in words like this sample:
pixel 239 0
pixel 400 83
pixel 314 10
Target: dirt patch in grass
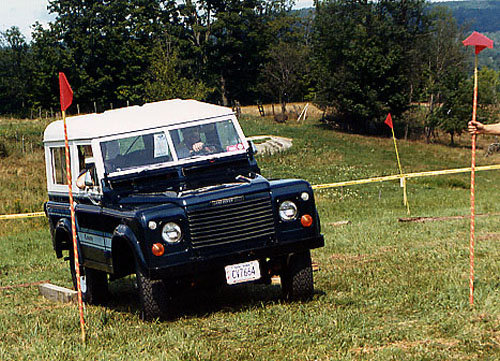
pixel 354 260
pixel 407 345
pixel 488 236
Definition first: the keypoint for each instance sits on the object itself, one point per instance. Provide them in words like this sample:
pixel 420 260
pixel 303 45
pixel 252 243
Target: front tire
pixel 297 276
pixel 94 283
pixel 153 296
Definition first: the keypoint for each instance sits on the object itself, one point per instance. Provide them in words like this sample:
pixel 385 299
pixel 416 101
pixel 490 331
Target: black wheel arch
pixel 126 252
pixel 62 236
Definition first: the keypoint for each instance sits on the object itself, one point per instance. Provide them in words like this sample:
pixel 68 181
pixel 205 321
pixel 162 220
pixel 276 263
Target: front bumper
pixel 215 264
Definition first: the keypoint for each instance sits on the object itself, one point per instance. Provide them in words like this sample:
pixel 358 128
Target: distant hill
pixel 479 15
pixel 482 16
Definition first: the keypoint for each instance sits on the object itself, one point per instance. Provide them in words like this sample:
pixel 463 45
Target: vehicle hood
pixel 218 194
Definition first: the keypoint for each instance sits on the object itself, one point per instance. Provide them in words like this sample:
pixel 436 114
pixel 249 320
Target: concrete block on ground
pixel 272 143
pixel 57 293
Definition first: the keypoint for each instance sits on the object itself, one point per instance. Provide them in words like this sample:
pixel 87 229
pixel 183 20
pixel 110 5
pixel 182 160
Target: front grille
pixel 237 222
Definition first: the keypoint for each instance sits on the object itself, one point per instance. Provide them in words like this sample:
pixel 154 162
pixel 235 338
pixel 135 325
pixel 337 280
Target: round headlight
pixel 171 233
pixel 288 211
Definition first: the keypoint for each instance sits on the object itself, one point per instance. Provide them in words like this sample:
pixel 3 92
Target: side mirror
pixel 89 179
pixel 89 182
pixel 252 148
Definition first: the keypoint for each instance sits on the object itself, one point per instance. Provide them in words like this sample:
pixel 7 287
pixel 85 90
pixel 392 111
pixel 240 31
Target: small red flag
pixel 479 41
pixel 66 92
pixel 388 120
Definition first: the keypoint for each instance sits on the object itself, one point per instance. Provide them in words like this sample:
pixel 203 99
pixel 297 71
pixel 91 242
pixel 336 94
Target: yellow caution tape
pixel 23 215
pixel 407 175
pixel 332 185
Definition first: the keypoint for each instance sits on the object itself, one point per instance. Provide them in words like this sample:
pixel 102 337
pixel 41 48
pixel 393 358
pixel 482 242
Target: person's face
pixel 192 136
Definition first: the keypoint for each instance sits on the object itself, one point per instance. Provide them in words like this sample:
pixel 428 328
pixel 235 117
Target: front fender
pixel 123 232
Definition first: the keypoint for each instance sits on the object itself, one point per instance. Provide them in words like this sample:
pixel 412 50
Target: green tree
pixel 488 98
pixel 15 71
pixel 165 81
pixel 51 58
pixel 363 56
pixel 111 44
pixel 441 71
pixel 228 41
pixel 455 110
pixel 488 86
pixel 284 75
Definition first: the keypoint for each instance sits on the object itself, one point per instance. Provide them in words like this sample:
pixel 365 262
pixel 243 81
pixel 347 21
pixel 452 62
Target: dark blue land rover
pixel 171 192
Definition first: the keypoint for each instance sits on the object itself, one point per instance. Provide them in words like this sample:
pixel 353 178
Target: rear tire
pixel 153 296
pixel 297 277
pixel 94 283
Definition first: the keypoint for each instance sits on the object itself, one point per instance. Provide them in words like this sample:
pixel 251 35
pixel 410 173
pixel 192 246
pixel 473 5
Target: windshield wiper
pixel 131 145
pixel 242 178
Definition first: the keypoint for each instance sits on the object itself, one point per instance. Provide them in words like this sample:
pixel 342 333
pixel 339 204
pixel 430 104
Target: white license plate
pixel 242 272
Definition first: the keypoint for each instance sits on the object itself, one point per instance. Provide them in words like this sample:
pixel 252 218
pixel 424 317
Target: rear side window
pixel 58 166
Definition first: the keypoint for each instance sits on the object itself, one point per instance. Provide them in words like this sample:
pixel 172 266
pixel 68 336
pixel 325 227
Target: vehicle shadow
pixel 199 301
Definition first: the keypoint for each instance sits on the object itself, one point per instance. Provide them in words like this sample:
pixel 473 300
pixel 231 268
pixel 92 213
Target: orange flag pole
pixel 66 99
pixel 472 193
pixel 480 42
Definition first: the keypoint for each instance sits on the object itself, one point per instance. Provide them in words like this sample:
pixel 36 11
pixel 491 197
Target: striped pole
pixel 73 228
pixel 480 42
pixel 472 190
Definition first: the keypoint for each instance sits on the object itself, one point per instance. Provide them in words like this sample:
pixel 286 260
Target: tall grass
pixel 385 290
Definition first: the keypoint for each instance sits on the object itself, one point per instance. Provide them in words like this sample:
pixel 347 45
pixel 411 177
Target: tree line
pixel 357 59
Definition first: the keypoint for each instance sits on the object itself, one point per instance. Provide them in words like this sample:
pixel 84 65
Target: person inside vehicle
pixel 191 144
pixel 192 139
pixel 475 127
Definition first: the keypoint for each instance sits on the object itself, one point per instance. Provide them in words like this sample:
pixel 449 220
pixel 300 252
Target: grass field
pixel 385 290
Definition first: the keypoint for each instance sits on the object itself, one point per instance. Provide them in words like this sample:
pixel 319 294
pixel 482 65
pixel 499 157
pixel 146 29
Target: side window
pixel 58 165
pixel 84 151
pixel 84 166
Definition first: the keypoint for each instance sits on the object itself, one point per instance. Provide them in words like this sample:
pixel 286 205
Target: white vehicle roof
pixel 134 118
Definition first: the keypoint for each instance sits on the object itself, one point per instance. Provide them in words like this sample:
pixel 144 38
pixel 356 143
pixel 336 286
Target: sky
pixel 24 13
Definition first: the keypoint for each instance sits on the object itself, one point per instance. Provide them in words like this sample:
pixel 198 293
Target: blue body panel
pixel 223 220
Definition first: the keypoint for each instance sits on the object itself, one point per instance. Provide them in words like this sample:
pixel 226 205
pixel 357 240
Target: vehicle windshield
pixel 143 150
pixel 206 139
pixel 135 151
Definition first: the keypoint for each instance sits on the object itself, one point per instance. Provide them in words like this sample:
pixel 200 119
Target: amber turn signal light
pixel 306 220
pixel 158 249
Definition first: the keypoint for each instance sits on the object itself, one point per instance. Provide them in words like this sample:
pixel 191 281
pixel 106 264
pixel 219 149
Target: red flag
pixel 479 41
pixel 66 92
pixel 388 120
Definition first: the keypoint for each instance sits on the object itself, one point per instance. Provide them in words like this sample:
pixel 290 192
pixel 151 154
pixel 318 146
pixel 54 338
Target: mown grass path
pixel 386 289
